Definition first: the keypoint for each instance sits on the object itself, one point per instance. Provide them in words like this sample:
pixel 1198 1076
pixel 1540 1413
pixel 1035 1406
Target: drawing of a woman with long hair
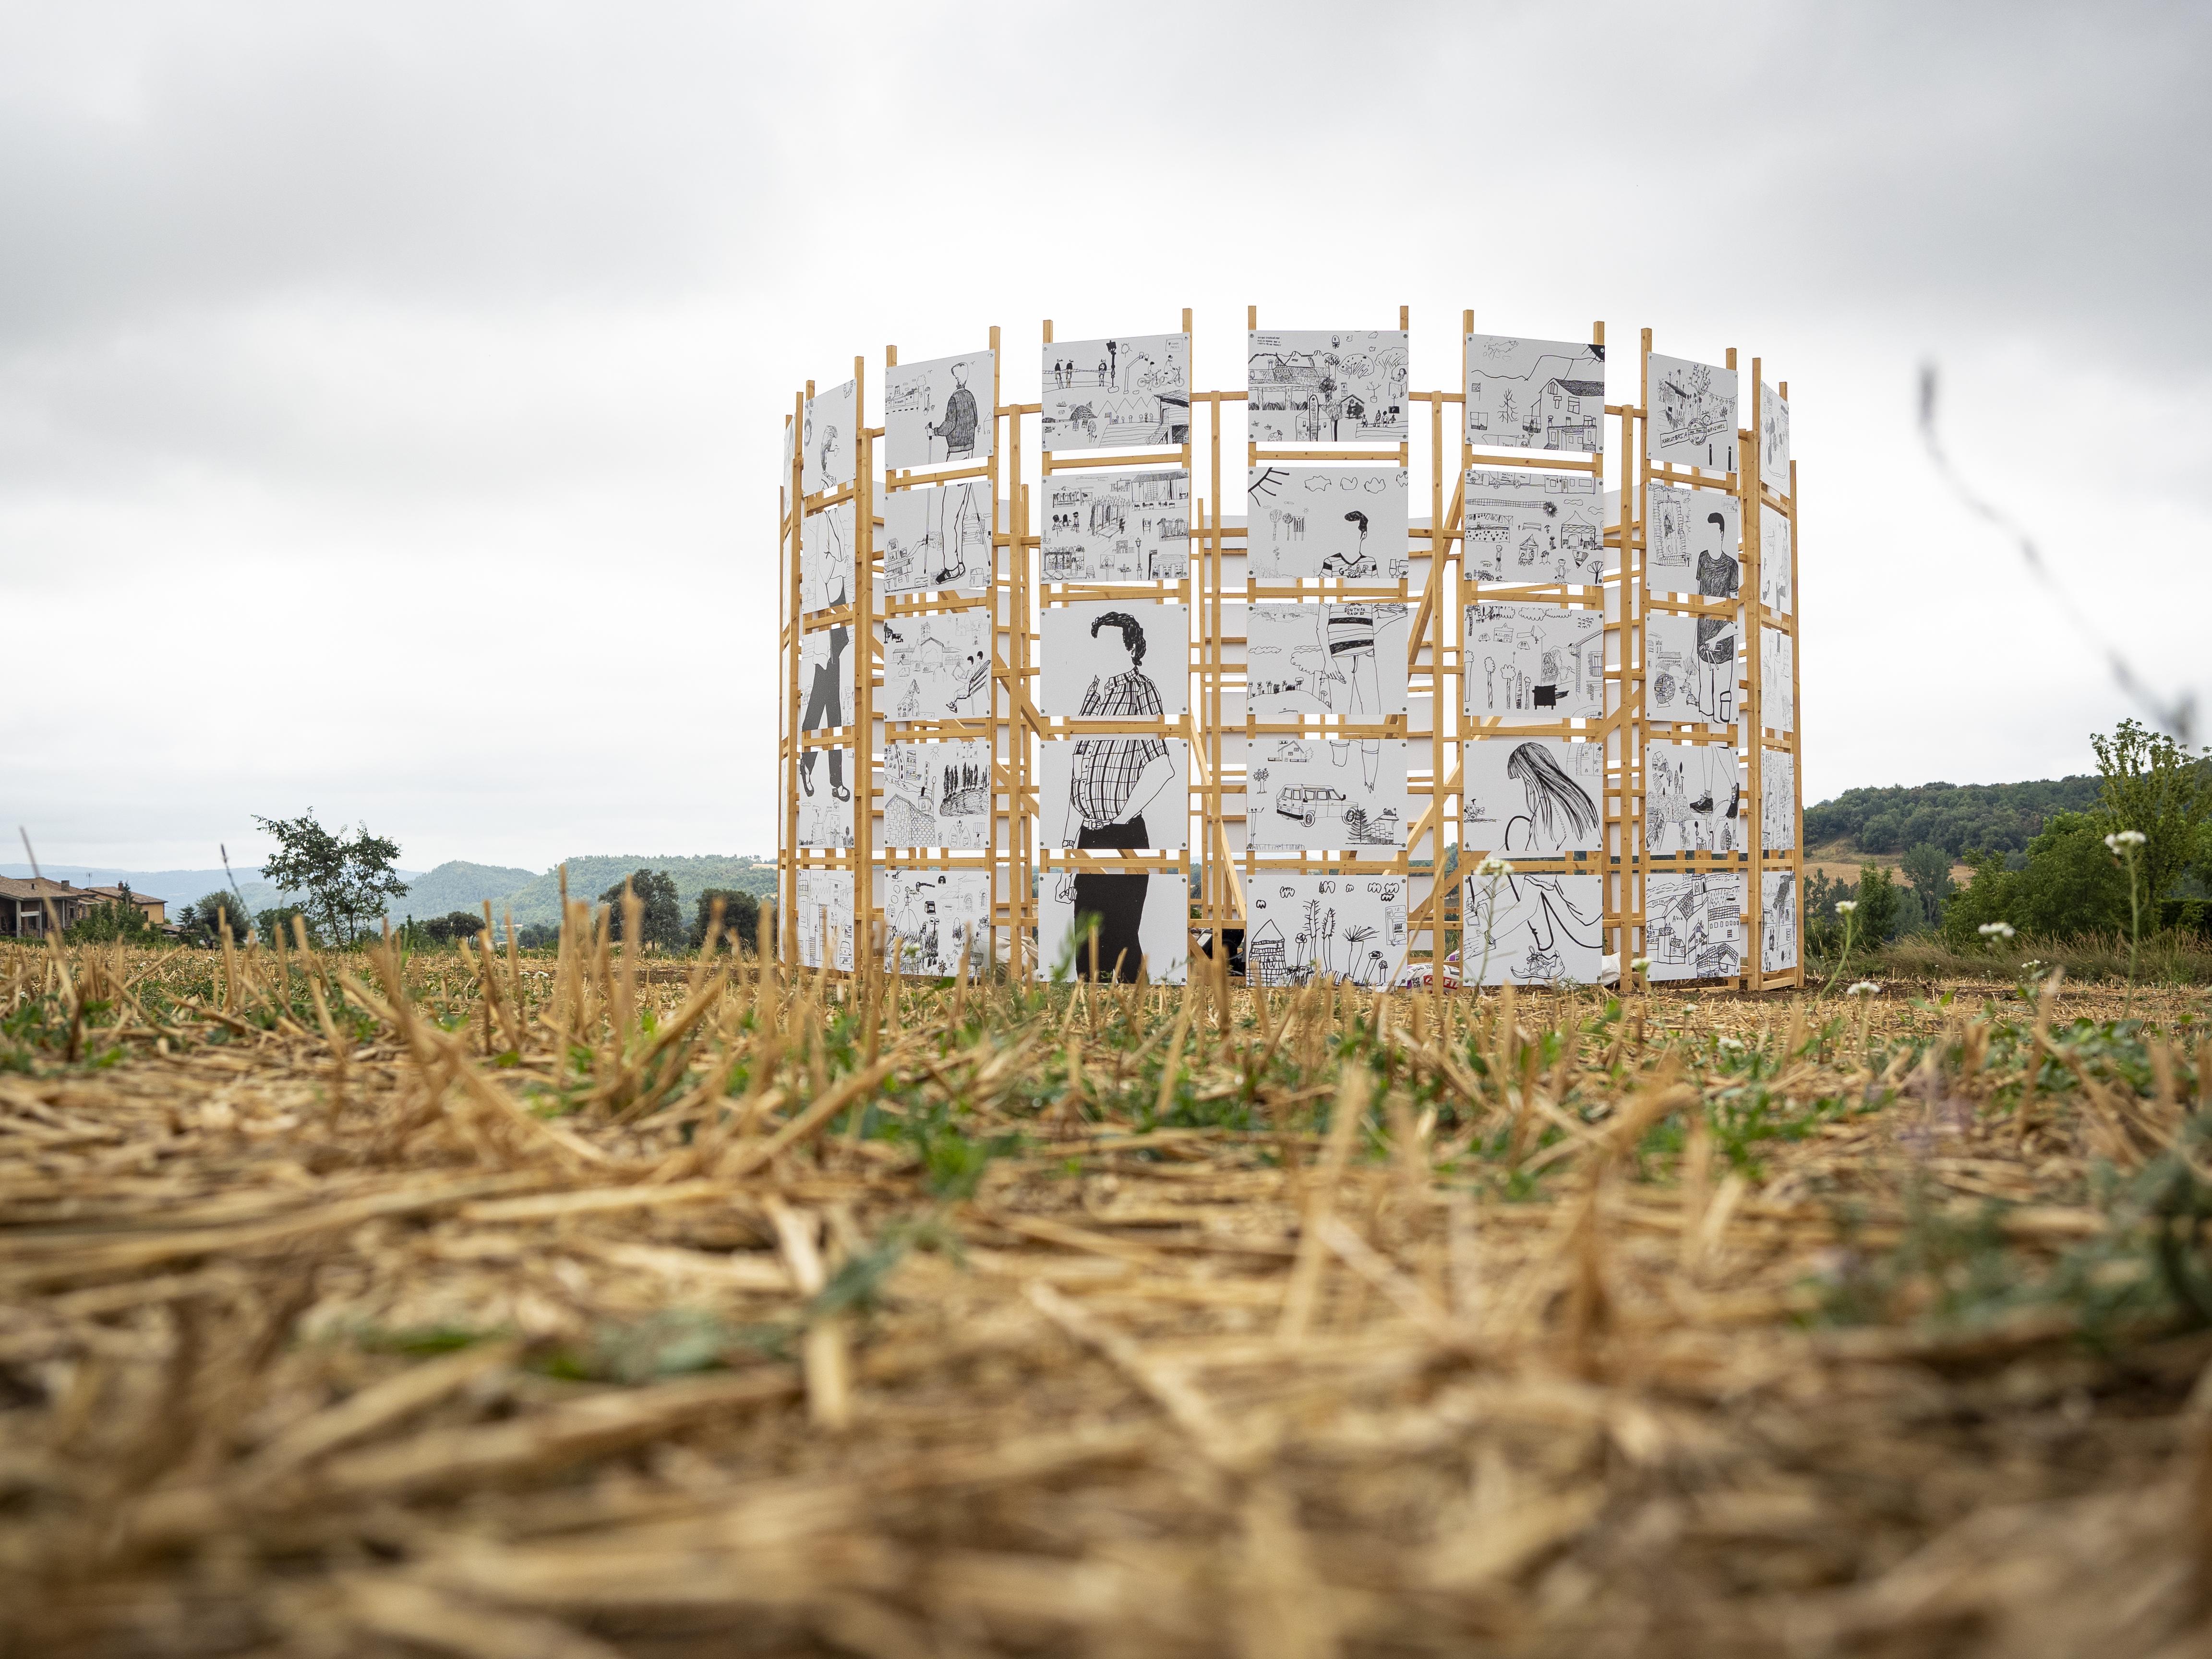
pixel 1560 814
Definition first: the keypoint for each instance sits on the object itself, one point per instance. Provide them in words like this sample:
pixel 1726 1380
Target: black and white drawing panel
pixel 1141 919
pixel 1348 660
pixel 1522 927
pixel 1693 414
pixel 1529 527
pixel 1119 791
pixel 1110 659
pixel 831 439
pixel 1778 792
pixel 939 411
pixel 1103 394
pixel 1778 683
pixel 935 920
pixel 1534 394
pixel 1526 660
pixel 1691 542
pixel 825 679
pixel 825 900
pixel 1326 386
pixel 1693 925
pixel 1116 526
pixel 1693 798
pixel 1773 560
pixel 1300 929
pixel 1533 797
pixel 1777 920
pixel 1347 522
pixel 1773 440
pixel 1690 672
pixel 825 559
pixel 825 799
pixel 938 539
pixel 1306 793
pixel 937 794
pixel 936 668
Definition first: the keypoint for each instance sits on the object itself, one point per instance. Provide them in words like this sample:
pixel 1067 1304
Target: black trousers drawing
pixel 1118 901
pixel 823 709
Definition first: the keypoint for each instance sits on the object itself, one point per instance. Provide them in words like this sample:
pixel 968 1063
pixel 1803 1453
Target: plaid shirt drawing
pixel 1107 768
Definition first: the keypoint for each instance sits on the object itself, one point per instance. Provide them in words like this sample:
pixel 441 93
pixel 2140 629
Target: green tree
pixel 1928 869
pixel 202 922
pixel 1877 896
pixel 348 881
pixel 740 918
pixel 454 927
pixel 2069 885
pixel 2155 785
pixel 662 923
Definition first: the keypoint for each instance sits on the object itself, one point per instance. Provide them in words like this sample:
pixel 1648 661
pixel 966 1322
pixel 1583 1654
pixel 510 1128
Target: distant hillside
pixel 539 901
pixel 458 884
pixel 1959 818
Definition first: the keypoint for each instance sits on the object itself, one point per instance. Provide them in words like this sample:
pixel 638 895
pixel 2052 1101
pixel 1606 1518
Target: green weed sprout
pixel 2123 845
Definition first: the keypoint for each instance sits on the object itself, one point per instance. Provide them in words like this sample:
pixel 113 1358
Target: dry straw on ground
pixel 527 1309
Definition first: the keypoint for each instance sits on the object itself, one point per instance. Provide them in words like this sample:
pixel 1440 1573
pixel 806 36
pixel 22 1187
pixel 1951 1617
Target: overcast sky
pixel 390 395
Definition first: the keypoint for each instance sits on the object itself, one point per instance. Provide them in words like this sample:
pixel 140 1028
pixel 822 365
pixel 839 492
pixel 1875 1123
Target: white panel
pixel 1778 788
pixel 1693 798
pixel 1526 929
pixel 1116 526
pixel 1777 907
pixel 1136 666
pixel 825 559
pixel 1326 386
pixel 936 668
pixel 1304 792
pixel 1691 542
pixel 1534 394
pixel 825 798
pixel 1526 660
pixel 1103 394
pixel 825 679
pixel 1693 414
pixel 1690 671
pixel 832 423
pixel 1523 525
pixel 1342 660
pixel 1693 925
pixel 937 794
pixel 1773 438
pixel 1538 796
pixel 1124 779
pixel 938 410
pixel 937 540
pixel 1349 522
pixel 821 890
pixel 1773 560
pixel 935 920
pixel 1161 904
pixel 1777 687
pixel 1299 928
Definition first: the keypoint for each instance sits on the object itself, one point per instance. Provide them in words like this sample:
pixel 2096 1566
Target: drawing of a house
pixel 1264 956
pixel 1571 411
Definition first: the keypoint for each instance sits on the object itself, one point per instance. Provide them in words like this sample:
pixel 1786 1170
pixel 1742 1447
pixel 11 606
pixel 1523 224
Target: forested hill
pixel 1959 818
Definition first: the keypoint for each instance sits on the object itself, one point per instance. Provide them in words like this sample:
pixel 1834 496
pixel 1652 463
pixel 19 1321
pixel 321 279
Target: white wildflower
pixel 2120 838
pixel 1845 907
pixel 1641 965
pixel 1996 930
pixel 1865 987
pixel 1493 866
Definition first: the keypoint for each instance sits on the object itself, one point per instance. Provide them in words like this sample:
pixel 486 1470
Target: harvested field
pixel 351 1305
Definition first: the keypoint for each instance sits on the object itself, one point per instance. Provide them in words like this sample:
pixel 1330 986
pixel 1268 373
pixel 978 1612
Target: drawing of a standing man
pixel 958 427
pixel 1112 782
